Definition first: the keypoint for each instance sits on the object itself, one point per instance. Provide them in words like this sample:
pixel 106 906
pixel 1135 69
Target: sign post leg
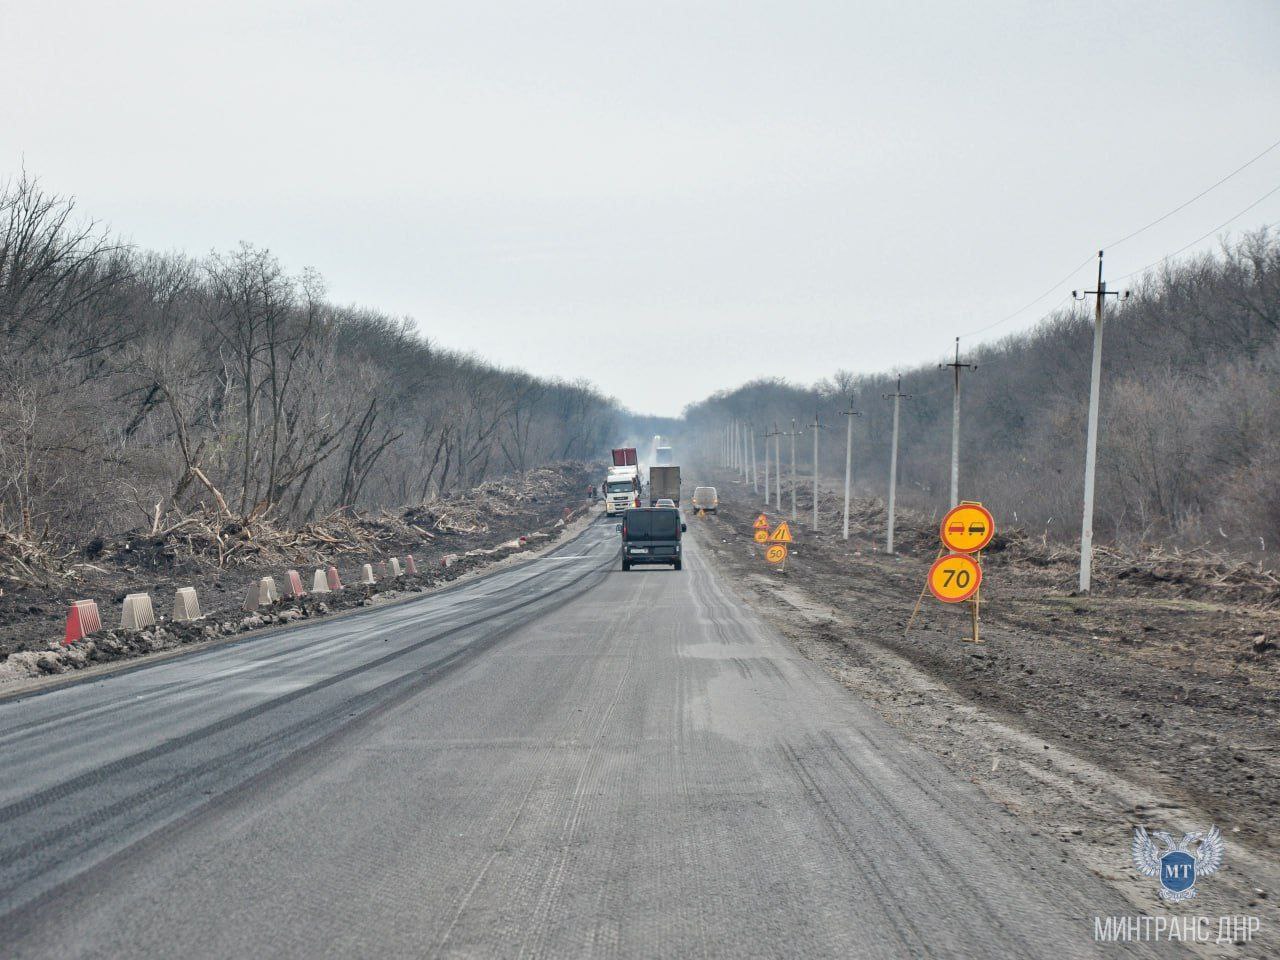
pixel 977 595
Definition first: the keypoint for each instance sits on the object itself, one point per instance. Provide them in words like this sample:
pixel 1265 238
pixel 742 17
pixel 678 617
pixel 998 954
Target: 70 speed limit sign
pixel 955 577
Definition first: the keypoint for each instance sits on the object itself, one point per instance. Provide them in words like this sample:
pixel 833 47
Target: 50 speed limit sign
pixel 955 577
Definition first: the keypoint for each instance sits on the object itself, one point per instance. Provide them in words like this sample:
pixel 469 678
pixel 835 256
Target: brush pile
pixel 207 537
pixel 28 559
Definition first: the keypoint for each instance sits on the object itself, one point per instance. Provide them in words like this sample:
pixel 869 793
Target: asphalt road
pixel 560 759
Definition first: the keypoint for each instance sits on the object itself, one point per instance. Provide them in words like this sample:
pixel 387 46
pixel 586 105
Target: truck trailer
pixel 664 482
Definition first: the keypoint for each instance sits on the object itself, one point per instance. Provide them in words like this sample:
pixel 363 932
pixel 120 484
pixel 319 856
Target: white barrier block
pixel 395 568
pixel 137 613
pixel 253 597
pixel 270 593
pixel 186 605
pixel 366 574
pixel 320 582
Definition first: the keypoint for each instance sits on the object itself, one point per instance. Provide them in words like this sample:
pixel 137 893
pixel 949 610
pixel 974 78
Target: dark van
pixel 651 535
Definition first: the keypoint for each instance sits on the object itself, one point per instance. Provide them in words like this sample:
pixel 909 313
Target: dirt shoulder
pixel 1084 716
pixel 457 539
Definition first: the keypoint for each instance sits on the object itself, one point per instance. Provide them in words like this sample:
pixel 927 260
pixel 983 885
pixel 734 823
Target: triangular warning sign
pixel 781 533
pixel 761 522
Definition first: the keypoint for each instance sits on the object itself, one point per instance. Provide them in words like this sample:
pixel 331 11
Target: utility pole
pixel 898 396
pixel 1091 442
pixel 755 474
pixel 815 426
pixel 746 460
pixel 956 366
pixel 793 434
pixel 777 462
pixel 765 435
pixel 848 461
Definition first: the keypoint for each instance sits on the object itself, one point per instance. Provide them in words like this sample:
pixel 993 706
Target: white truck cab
pixel 621 489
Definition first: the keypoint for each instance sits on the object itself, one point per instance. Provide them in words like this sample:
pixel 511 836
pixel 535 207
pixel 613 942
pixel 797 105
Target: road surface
pixel 559 759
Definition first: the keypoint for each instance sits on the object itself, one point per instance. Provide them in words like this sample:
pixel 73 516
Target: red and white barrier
pixel 335 582
pixel 82 620
pixel 295 584
pixel 410 565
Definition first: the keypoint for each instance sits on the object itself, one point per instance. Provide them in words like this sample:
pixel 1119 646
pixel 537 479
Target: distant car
pixel 706 498
pixel 666 502
pixel 651 535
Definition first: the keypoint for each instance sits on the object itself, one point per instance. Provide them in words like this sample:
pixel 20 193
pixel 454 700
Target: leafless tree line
pixel 134 383
pixel 1189 446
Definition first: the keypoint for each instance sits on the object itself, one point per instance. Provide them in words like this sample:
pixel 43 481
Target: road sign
pixel 776 552
pixel 761 536
pixel 781 533
pixel 967 528
pixel 955 577
pixel 762 522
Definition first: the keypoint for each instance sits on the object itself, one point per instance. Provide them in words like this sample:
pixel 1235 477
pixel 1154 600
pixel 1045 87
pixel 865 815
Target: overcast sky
pixel 664 198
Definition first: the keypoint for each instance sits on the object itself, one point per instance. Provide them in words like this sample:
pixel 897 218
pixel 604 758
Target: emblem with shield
pixel 1176 866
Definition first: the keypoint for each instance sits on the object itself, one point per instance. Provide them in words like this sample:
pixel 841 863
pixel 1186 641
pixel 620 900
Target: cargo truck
pixel 664 482
pixel 625 457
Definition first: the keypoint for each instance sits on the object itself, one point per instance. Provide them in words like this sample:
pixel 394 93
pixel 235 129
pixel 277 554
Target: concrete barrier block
pixel 366 574
pixel 448 560
pixel 186 605
pixel 294 585
pixel 253 598
pixel 335 582
pixel 320 582
pixel 137 613
pixel 82 620
pixel 382 569
pixel 410 565
pixel 395 568
pixel 270 593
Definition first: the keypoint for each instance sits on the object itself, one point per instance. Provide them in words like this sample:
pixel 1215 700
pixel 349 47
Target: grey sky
pixel 665 198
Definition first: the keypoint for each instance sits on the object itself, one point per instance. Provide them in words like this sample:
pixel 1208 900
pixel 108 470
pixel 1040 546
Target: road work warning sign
pixel 967 528
pixel 781 533
pixel 762 522
pixel 955 577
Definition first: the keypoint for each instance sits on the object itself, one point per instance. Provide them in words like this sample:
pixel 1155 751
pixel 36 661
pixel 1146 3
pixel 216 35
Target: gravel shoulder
pixel 1083 716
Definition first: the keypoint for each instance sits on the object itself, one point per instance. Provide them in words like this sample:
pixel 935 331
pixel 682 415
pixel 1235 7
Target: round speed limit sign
pixel 955 577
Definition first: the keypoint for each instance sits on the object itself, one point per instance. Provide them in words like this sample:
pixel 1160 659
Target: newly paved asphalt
pixel 557 760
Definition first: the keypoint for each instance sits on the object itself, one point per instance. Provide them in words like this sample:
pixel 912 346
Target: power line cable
pixel 1221 226
pixel 1057 285
pixel 1183 206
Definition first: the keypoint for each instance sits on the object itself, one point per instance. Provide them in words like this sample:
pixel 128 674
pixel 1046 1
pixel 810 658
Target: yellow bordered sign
pixel 761 536
pixel 781 533
pixel 776 552
pixel 955 577
pixel 967 528
pixel 762 522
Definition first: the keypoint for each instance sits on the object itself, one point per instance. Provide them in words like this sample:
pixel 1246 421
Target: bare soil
pixel 1150 701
